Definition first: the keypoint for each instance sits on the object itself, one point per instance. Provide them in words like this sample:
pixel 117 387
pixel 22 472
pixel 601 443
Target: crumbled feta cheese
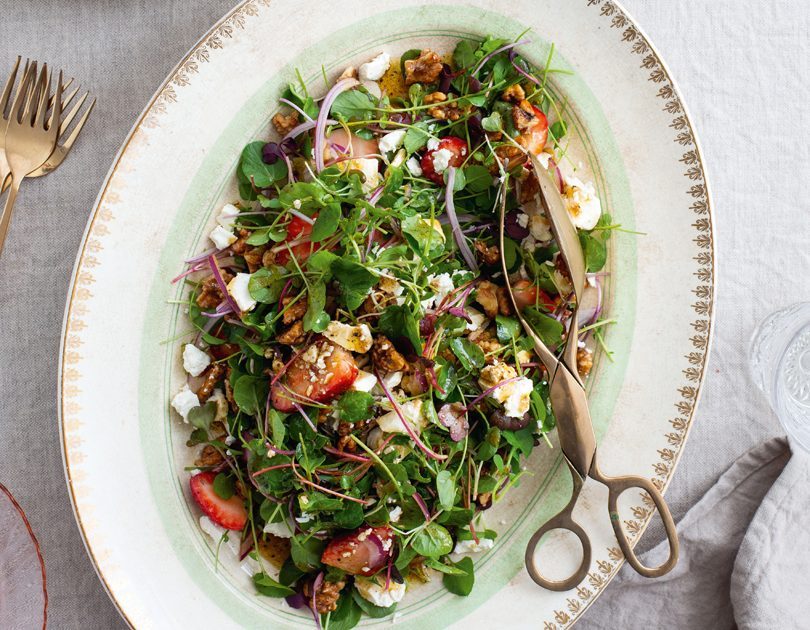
pixel 413 166
pixel 399 158
pixel 470 546
pixel 524 356
pixel 389 284
pixel 392 379
pixel 377 594
pixel 238 288
pixel 519 399
pixel 395 514
pixel 369 167
pixel 442 285
pixel 184 401
pixel 432 144
pixel 582 203
pixel 353 338
pixel 411 411
pixel 222 238
pixel 515 395
pixel 523 219
pixel 227 216
pixel 297 204
pixel 478 319
pixel 441 160
pixel 376 68
pixel 195 360
pixel 364 382
pixel 540 227
pixel 392 141
pixel 283 529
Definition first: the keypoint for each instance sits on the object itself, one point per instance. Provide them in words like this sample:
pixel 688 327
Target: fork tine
pixel 56 112
pixel 42 104
pixel 34 96
pixel 68 117
pixel 23 94
pixel 68 143
pixel 66 98
pixel 9 86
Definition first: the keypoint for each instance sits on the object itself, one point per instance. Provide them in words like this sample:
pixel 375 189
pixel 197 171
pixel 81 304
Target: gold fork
pixel 30 137
pixel 66 140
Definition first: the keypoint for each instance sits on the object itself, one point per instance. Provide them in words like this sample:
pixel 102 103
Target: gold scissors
pixel 570 405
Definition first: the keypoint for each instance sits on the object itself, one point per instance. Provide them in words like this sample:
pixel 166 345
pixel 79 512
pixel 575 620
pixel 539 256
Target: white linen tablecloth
pixel 741 64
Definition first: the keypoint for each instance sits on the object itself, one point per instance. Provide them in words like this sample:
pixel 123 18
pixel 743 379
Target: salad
pixel 359 391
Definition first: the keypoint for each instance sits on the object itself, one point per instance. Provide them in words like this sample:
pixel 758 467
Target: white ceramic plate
pixel 124 452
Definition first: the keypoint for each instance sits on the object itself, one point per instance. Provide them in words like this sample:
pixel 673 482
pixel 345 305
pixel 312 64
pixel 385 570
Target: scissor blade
pixel 574 426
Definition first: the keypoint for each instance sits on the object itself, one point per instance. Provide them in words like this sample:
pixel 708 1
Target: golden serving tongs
pixel 570 406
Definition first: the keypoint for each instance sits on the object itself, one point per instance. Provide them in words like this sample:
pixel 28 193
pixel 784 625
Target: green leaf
pixel 408 55
pixel 444 568
pixel 548 328
pixel 507 328
pixel 522 440
pixel 350 516
pixel 268 587
pixel 595 251
pixel 223 486
pixel 416 137
pixel 346 615
pixel 353 105
pixel 306 552
pixel 445 377
pixel 446 487
pixel 326 224
pixel 492 122
pixel 457 517
pixel 316 319
pixel 511 253
pixel 355 406
pixel 250 394
pixel 277 427
pixel 464 54
pixel 425 237
pixel 290 573
pixel 558 130
pixel 461 584
pixel 201 417
pixel 354 282
pixel 321 262
pixel 254 168
pixel 470 355
pixel 397 322
pixel 375 612
pixel 433 541
pixel 265 284
pixel 479 179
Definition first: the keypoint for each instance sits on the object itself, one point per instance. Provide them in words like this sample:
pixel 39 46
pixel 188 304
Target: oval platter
pixel 124 451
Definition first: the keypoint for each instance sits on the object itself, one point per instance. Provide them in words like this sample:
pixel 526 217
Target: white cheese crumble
pixel 364 382
pixel 540 227
pixel 395 514
pixel 478 319
pixel 441 160
pixel 195 360
pixel 227 216
pixel 523 220
pixel 392 141
pixel 413 166
pixel 433 144
pixel 470 546
pixel 411 411
pixel 377 594
pixel 353 338
pixel 222 238
pixel 238 288
pixel 582 203
pixel 442 285
pixel 376 68
pixel 369 167
pixel 514 396
pixel 222 408
pixel 184 401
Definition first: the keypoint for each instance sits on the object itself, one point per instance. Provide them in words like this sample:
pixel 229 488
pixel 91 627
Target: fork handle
pixel 5 218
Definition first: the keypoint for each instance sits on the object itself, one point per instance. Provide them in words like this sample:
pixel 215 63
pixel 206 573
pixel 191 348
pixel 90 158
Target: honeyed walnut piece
pixel 295 312
pixel 285 123
pixel 424 69
pixel 209 456
pixel 488 254
pixel 293 335
pixel 211 377
pixel 210 295
pixel 254 258
pixel 488 344
pixel 514 94
pixel 584 362
pixel 524 116
pixel 385 357
pixel 241 245
pixel 327 596
pixel 486 295
pixel 504 303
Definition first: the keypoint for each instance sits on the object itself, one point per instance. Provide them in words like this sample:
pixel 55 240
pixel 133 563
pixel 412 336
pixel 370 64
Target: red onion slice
pixel 320 126
pixel 461 240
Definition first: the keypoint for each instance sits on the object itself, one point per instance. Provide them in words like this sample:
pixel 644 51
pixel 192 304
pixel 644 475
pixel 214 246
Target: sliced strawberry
pixel 528 294
pixel 321 373
pixel 298 230
pixel 362 552
pixel 227 513
pixel 535 137
pixel 456 146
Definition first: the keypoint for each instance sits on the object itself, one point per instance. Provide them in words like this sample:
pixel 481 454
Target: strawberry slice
pixel 297 230
pixel 321 373
pixel 456 146
pixel 528 294
pixel 227 513
pixel 362 552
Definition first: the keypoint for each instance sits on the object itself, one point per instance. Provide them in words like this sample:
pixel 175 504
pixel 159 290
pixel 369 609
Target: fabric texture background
pixel 740 65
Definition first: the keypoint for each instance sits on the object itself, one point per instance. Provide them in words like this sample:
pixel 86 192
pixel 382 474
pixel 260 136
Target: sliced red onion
pixel 422 505
pixel 212 261
pixel 305 126
pixel 320 126
pixel 201 257
pixel 316 585
pixel 344 455
pixel 466 253
pixel 498 51
pixel 516 66
pixel 375 196
pixel 295 107
pixel 463 218
pixel 458 311
pixel 453 416
pixel 558 174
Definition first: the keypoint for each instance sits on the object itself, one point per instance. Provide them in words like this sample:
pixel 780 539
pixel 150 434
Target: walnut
pixel 584 362
pixel 486 296
pixel 284 123
pixel 327 596
pixel 349 73
pixel 209 456
pixel 210 294
pixel 211 377
pixel 488 254
pixel 504 303
pixel 274 549
pixel 294 312
pixel 514 93
pixel 385 357
pixel 229 391
pixel 424 69
pixel 293 334
pixel 268 258
pixel 524 116
pixel 488 344
pixel 510 155
pixel 254 257
pixel 529 187
pixel 435 97
pixel 450 111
